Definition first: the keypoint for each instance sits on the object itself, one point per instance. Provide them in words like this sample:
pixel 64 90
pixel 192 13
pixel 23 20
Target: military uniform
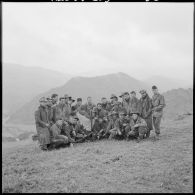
pixel 100 121
pixel 146 111
pixel 158 103
pixel 41 120
pixel 107 106
pixel 86 110
pixel 139 131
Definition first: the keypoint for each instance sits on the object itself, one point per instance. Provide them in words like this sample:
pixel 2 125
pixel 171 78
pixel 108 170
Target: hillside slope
pixel 21 84
pixel 97 87
pixel 164 166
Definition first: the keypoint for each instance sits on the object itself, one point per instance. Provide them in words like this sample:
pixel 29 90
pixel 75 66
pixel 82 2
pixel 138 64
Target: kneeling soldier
pixel 138 127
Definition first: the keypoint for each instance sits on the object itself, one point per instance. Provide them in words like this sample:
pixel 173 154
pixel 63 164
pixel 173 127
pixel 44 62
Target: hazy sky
pixel 140 39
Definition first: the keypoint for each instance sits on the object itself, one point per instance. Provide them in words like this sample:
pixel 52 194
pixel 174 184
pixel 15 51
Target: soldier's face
pixel 49 103
pixel 43 104
pixel 143 95
pixel 133 95
pixel 79 103
pixel 99 107
pixel 114 99
pixel 126 96
pixel 134 116
pixel 56 99
pixel 155 91
pixel 62 101
pixel 89 100
pixel 66 100
pixel 74 121
pixel 104 101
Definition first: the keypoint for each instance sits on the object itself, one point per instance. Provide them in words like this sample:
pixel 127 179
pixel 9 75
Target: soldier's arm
pixel 38 119
pixel 161 104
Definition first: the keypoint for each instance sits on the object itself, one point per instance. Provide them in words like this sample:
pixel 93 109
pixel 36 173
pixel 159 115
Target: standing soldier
pixel 115 104
pixel 134 102
pixel 123 98
pixel 146 110
pixel 54 98
pixel 138 126
pixel 100 121
pixel 126 103
pixel 105 104
pixel 42 124
pixel 67 107
pixel 158 103
pixel 86 110
pixel 78 105
pixel 59 110
pixel 51 110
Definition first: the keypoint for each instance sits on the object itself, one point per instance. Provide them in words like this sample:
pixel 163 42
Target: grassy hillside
pixel 104 166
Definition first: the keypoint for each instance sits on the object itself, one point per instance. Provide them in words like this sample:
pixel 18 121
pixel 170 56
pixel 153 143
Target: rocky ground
pixel 104 166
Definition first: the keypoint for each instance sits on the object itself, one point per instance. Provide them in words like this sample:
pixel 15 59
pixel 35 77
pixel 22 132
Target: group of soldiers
pixel 131 118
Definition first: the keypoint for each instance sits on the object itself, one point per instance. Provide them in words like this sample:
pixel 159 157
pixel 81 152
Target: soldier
pixel 78 105
pixel 51 110
pixel 56 132
pixel 138 127
pixel 105 104
pixel 59 110
pixel 78 131
pixel 54 98
pixel 115 104
pixel 134 102
pixel 42 124
pixel 158 103
pixel 123 98
pixel 67 106
pixel 116 126
pixel 100 121
pixel 146 110
pixel 87 108
pixel 126 103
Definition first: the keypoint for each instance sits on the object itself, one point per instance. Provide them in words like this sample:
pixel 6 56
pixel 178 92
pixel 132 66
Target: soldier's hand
pixel 137 125
pixel 47 125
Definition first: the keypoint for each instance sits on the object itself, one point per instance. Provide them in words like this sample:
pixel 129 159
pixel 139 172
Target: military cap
pixel 61 98
pixel 142 91
pixel 113 96
pixel 122 94
pixel 54 95
pixel 66 96
pixel 132 92
pixel 99 103
pixel 154 87
pixel 79 99
pixel 103 98
pixel 42 99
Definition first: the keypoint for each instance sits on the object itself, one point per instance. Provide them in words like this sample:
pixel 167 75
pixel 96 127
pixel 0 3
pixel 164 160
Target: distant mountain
pixel 96 87
pixel 21 84
pixel 164 83
pixel 178 102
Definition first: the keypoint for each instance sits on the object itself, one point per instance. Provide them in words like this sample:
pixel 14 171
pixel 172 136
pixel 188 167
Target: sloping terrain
pixel 96 87
pixel 178 102
pixel 21 84
pixel 163 166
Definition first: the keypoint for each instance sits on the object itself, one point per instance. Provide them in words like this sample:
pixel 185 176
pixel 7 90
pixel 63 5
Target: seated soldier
pixel 77 131
pixel 100 121
pixel 56 132
pixel 121 126
pixel 138 127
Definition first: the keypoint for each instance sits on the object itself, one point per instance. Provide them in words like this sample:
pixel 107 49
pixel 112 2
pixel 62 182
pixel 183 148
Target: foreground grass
pixel 105 166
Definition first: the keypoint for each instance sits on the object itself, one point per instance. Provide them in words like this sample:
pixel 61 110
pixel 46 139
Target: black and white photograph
pixel 97 97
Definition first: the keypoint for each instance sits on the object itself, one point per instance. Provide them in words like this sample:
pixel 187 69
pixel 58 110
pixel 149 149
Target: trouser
pixel 114 134
pixel 138 132
pixel 63 137
pixel 156 123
